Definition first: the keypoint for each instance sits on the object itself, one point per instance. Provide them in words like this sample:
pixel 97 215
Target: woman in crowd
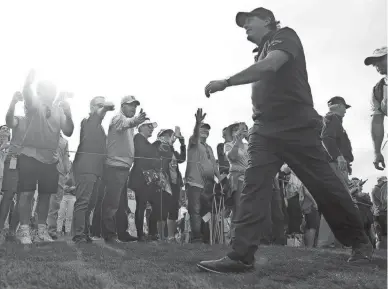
pixel 171 159
pixel 144 179
pixel 236 152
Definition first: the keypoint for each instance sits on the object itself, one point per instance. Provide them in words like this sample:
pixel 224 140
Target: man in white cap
pixel 379 103
pixel 120 150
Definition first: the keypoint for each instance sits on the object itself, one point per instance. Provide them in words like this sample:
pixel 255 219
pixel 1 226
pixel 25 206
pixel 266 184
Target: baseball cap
pixel 259 12
pixel 129 99
pixel 338 100
pixel 147 122
pixel 163 131
pixel 379 52
pixel 205 125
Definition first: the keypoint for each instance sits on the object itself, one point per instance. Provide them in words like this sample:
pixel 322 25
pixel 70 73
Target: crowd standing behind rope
pixel 89 196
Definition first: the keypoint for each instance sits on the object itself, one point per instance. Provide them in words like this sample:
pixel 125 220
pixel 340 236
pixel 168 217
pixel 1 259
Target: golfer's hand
pixel 214 86
pixel 379 162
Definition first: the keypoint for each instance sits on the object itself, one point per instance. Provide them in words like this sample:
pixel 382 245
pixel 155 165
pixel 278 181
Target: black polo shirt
pixel 282 102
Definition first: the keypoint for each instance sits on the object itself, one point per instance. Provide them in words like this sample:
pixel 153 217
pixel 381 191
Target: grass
pixel 158 265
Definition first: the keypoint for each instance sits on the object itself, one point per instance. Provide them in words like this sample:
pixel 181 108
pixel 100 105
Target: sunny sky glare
pixel 165 52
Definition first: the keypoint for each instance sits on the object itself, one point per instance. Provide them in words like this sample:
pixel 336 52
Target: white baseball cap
pixel 147 122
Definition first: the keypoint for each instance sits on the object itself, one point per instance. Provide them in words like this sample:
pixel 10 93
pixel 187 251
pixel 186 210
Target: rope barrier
pixel 132 157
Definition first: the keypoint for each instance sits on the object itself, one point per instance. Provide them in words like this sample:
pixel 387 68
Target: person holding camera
pixel 171 160
pixel 88 165
pixel 236 152
pixel 38 158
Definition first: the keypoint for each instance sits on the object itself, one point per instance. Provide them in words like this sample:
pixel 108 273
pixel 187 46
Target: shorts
pixel 32 172
pixel 312 219
pixel 173 203
pixel 10 178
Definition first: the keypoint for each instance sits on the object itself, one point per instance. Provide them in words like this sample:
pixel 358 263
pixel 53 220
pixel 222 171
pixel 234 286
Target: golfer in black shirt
pixel 286 130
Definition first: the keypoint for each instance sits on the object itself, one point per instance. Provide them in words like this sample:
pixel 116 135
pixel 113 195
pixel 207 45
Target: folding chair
pixel 216 222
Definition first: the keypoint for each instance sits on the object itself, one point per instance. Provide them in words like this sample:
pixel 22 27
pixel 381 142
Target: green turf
pixel 160 265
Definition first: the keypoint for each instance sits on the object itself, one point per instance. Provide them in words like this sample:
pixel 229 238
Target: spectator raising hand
pixel 141 117
pixel 200 116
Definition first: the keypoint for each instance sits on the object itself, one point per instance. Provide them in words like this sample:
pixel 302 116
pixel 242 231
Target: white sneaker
pixel 43 235
pixel 23 234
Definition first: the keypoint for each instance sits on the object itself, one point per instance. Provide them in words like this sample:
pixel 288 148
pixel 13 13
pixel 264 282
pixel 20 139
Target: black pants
pixel 275 233
pixel 121 217
pixel 306 157
pixel 92 206
pixel 159 206
pixel 95 229
pixel 85 185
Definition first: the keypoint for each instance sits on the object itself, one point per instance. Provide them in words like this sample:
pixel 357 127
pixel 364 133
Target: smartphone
pixel 177 131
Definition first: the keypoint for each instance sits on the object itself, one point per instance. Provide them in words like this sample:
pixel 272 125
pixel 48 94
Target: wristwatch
pixel 228 81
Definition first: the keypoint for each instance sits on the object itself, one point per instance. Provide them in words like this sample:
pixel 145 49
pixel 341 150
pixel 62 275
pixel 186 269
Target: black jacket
pixel 335 138
pixel 146 158
pixel 166 152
